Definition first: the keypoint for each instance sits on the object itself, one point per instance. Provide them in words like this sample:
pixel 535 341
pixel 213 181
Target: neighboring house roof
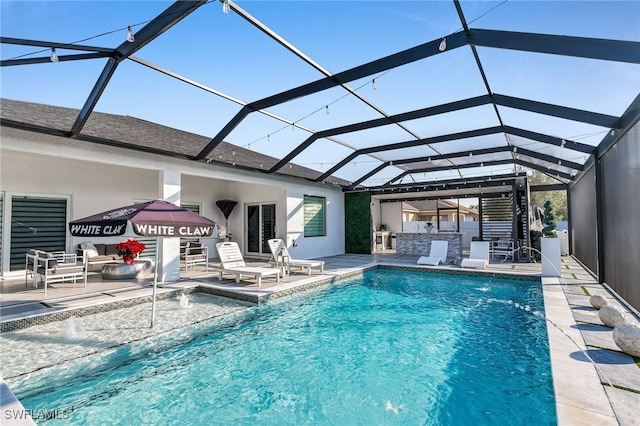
pixel 431 205
pixel 134 133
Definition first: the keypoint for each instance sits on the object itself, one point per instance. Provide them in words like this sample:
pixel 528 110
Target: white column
pixel 169 248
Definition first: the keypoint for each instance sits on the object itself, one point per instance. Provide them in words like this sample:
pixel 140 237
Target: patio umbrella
pixel 157 218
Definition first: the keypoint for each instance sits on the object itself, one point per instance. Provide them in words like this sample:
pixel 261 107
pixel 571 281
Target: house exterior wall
pixel 97 177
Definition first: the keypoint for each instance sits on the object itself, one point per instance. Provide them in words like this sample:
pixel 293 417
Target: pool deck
pixel 595 383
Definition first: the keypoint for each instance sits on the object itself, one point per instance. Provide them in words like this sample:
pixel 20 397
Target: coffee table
pixel 124 271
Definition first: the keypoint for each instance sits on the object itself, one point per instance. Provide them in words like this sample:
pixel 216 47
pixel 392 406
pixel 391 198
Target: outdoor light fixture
pixel 225 6
pixel 130 37
pixel 54 56
pixel 443 45
pixel 482 164
pixel 326 108
pixel 233 152
pixel 562 143
pixel 373 84
pixel 429 160
pixel 268 138
pixel 559 162
pixel 470 154
pixel 515 149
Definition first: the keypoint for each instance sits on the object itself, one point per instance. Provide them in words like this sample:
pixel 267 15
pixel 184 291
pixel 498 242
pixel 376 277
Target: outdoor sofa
pixel 98 254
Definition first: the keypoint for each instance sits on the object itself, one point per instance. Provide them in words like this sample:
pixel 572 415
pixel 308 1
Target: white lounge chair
pixel 232 263
pixel 478 256
pixel 437 254
pixel 281 256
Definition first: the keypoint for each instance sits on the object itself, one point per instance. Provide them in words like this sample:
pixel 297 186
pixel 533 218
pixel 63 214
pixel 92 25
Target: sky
pixel 226 53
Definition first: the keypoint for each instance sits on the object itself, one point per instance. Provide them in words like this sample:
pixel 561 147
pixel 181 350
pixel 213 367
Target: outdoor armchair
pixel 53 267
pixel 194 254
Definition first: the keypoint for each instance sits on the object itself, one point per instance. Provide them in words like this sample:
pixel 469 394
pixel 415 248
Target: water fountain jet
pixel 184 301
pixel 70 332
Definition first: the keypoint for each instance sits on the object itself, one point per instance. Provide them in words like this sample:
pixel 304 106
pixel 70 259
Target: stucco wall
pixel 96 177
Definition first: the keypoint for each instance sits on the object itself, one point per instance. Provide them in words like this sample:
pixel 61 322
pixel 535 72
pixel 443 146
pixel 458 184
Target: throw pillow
pixel 89 249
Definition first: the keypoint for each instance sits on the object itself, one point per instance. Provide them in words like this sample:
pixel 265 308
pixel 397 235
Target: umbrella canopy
pixel 157 218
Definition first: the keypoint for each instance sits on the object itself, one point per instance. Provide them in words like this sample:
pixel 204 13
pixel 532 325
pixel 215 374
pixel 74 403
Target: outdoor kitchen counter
pixel 419 244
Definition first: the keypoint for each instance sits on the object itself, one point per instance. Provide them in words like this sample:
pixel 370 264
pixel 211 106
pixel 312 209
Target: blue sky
pixel 226 53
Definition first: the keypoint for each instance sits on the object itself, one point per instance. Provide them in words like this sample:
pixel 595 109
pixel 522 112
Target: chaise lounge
pixel 437 253
pixel 232 263
pixel 478 256
pixel 281 255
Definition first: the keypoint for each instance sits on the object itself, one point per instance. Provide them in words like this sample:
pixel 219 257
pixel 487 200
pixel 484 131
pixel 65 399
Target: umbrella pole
pixel 155 284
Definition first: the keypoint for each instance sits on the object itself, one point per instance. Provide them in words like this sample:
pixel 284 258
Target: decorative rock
pixel 627 337
pixel 611 316
pixel 598 301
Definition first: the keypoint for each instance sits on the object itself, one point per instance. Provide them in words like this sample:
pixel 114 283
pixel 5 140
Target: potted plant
pixel 550 244
pixel 129 250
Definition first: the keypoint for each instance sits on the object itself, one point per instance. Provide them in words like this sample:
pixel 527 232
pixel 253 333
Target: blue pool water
pixel 389 348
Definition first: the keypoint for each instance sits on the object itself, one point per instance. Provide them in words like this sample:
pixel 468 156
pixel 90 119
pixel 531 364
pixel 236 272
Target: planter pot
pixel 551 265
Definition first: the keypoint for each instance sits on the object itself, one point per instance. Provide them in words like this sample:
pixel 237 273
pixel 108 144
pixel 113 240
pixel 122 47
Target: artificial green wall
pixel 357 219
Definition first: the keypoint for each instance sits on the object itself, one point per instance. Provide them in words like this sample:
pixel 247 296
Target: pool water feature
pixel 390 348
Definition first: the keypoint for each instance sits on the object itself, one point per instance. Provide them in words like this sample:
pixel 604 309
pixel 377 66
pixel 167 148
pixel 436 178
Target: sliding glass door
pixel 261 227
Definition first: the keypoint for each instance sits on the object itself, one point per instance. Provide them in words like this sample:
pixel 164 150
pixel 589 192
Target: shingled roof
pixel 141 135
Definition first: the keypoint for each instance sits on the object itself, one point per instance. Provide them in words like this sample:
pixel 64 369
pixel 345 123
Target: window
pixel 36 223
pixel 314 216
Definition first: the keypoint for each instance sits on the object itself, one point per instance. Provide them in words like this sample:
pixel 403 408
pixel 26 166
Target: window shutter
pixel 314 216
pixel 36 223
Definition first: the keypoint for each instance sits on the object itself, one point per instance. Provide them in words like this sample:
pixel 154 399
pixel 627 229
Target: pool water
pixel 388 348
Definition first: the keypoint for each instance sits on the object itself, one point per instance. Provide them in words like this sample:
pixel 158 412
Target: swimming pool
pixel 389 348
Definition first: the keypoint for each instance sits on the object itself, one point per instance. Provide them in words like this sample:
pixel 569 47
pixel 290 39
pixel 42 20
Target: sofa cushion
pixel 101 249
pixel 111 250
pixel 47 260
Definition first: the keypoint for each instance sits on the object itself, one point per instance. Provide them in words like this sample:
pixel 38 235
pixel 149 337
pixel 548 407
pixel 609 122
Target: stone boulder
pixel 611 316
pixel 627 337
pixel 598 301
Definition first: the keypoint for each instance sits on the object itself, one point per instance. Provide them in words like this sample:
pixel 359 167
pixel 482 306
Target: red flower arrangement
pixel 129 250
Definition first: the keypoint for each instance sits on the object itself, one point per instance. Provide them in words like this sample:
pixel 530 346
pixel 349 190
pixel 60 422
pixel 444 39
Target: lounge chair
pixel 478 256
pixel 281 256
pixel 232 263
pixel 437 254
